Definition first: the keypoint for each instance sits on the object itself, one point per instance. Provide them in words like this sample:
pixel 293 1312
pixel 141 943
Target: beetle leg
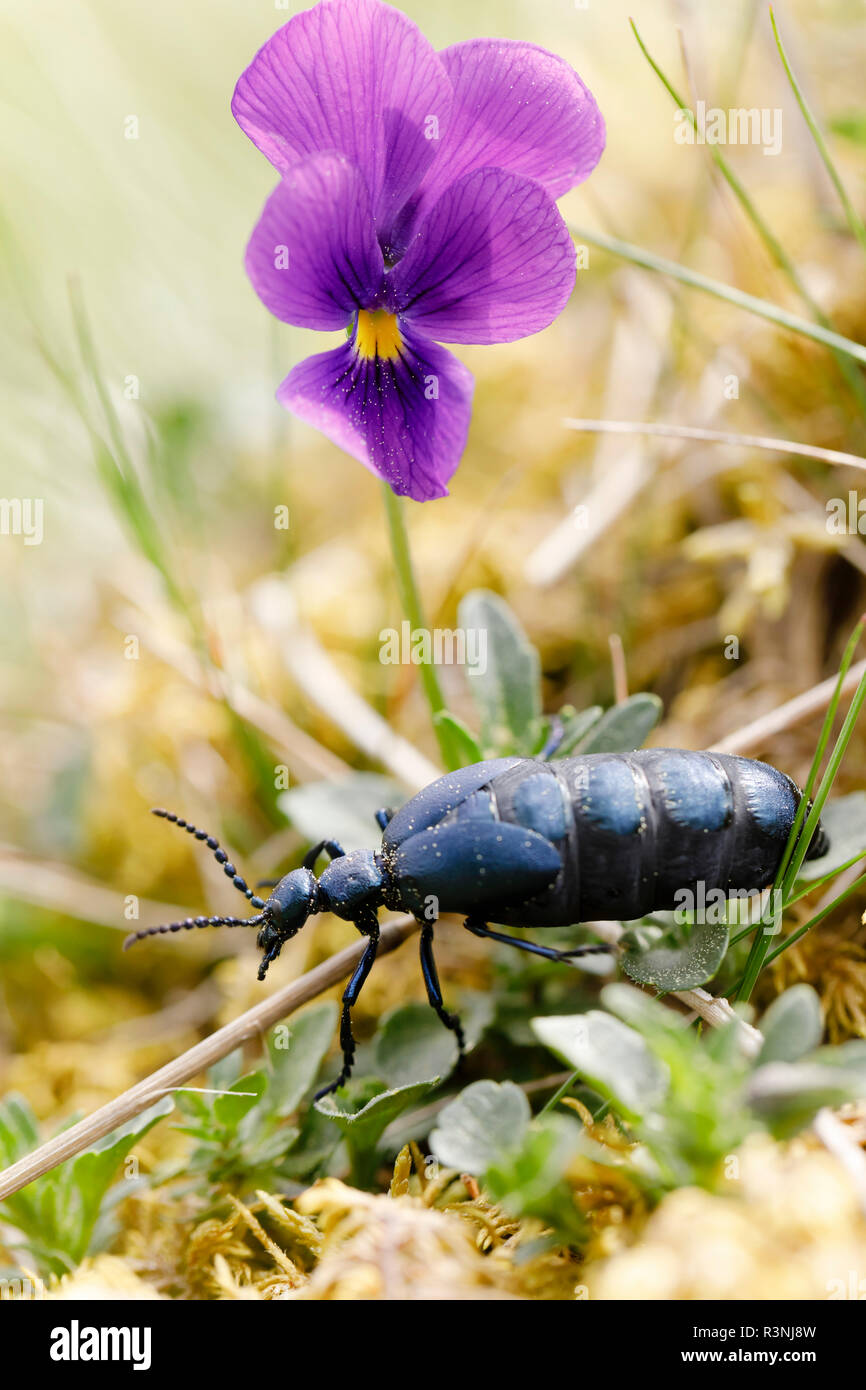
pixel 549 952
pixel 383 816
pixel 369 927
pixel 434 992
pixel 332 848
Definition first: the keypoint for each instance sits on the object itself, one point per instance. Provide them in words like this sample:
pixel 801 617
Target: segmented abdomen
pixel 635 829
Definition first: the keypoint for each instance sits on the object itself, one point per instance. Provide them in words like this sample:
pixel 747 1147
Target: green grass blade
pixel 855 221
pixel 813 921
pixel 750 302
pixel 824 789
pixel 811 887
pixel 113 460
pixel 801 835
pixel 770 240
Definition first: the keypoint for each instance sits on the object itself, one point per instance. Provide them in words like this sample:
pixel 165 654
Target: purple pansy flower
pixel 416 207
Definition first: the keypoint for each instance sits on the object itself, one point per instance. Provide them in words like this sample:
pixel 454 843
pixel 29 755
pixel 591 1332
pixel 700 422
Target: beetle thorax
pixel 354 881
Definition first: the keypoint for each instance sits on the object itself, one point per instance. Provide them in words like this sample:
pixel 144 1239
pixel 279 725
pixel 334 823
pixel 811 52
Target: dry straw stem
pixel 313 671
pixel 638 355
pixel 757 734
pixel 718 1013
pixel 173 1076
pixel 738 441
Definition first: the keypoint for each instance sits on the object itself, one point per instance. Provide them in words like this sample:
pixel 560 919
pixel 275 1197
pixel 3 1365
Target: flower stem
pixel 412 607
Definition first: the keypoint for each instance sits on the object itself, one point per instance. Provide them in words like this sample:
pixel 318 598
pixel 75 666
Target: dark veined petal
pixel 313 258
pixel 492 262
pixel 516 107
pixel 404 415
pixel 356 77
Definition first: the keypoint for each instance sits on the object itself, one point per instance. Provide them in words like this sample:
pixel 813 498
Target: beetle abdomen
pixel 697 818
pixel 642 827
pixel 614 835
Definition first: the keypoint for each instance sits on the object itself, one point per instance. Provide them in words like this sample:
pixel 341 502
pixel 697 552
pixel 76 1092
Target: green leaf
pixel 229 1108
pixel 467 749
pixel 624 727
pixel 792 1025
pixel 612 1057
pixel 506 685
pixel 411 1043
pixel 844 820
pixel 295 1066
pixel 575 726
pixel 343 810
pixel 223 1074
pixel 92 1172
pixel 274 1145
pixel 18 1129
pixel 486 1123
pixel 681 967
pixel 364 1127
pixel 649 1016
pixel 850 1055
pixel 530 1180
pixel 57 1213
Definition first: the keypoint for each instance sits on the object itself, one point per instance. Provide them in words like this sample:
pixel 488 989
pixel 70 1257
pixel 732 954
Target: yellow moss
pixel 789 1227
pixel 104 1277
pixel 394 1248
pixel 835 963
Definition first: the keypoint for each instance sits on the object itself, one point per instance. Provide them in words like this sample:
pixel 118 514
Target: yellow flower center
pixel 377 334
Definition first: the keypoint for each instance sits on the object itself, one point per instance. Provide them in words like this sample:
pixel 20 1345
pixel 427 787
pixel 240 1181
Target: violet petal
pixel 352 76
pixel 405 418
pixel 313 257
pixel 492 262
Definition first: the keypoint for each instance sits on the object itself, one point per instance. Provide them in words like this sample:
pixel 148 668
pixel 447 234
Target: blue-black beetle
pixel 532 843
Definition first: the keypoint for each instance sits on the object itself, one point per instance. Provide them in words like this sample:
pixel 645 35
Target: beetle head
pixel 294 899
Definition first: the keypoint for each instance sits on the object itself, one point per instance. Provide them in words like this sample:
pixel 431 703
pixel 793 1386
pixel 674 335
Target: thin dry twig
pixel 307 758
pixel 618 666
pixel 197 1059
pixel 718 1013
pixel 739 441
pixel 797 711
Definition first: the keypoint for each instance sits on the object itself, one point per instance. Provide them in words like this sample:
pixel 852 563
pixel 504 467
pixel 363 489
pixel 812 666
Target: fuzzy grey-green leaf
pixel 343 810
pixel 681 967
pixel 506 684
pixel 364 1127
pixel 612 1057
pixel 792 1025
pixel 485 1123
pixel 623 727
pixel 296 1051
